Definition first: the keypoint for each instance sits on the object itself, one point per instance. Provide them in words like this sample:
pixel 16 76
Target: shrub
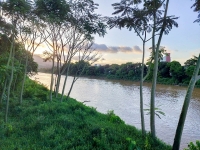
pixel 35 89
pixel 113 118
pixel 29 92
pixel 192 146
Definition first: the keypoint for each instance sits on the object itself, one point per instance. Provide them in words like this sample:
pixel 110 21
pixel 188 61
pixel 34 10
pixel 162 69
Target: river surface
pixel 123 97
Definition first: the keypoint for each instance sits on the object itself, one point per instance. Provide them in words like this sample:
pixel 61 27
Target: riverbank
pixel 163 81
pixel 160 80
pixel 41 124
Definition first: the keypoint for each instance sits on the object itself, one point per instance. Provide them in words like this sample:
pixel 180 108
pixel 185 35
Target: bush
pixel 35 90
pixel 192 146
pixel 29 92
pixel 113 118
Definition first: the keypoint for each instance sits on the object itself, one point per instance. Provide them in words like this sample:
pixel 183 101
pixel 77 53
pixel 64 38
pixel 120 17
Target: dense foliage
pixel 128 71
pixel 168 72
pixel 19 64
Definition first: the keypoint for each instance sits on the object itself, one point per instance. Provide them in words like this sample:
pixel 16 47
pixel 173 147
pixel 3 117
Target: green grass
pixel 40 124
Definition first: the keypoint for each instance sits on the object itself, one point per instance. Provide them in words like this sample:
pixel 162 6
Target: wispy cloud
pixel 137 49
pixel 116 49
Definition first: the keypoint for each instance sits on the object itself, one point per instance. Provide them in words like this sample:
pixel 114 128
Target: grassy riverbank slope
pixel 41 124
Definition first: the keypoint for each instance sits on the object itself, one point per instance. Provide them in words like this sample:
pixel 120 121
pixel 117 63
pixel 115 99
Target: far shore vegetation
pixel 170 73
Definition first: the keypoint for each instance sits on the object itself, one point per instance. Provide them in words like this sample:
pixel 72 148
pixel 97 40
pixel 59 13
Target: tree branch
pixel 148 72
pixel 138 34
pixel 151 38
pixel 85 101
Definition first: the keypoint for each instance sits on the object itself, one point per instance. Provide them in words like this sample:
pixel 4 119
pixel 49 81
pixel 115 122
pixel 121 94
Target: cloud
pixel 137 49
pixel 116 49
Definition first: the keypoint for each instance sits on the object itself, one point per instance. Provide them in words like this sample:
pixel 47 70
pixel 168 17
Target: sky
pixel 121 46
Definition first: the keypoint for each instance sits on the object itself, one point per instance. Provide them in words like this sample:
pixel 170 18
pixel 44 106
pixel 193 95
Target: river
pixel 123 97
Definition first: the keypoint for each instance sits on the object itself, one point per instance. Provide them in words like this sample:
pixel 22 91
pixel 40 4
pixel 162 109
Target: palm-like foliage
pixel 133 17
pixel 162 52
pixel 137 19
pixel 168 22
pixel 158 111
pixel 143 20
pixel 196 6
pixel 124 7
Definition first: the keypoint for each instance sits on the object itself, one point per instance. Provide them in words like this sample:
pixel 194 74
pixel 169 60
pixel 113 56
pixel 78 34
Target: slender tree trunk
pixel 14 84
pixel 58 78
pixel 52 76
pixel 23 81
pixel 76 76
pixel 153 89
pixel 10 81
pixel 141 92
pixel 55 81
pixel 64 85
pixel 7 65
pixel 179 129
pixel 152 101
pixel 74 80
pixel 58 84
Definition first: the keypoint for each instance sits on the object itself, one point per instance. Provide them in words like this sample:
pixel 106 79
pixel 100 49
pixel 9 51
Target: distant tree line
pixel 168 72
pixel 128 71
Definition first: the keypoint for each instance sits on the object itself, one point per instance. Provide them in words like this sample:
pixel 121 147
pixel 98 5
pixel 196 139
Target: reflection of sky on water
pixel 123 97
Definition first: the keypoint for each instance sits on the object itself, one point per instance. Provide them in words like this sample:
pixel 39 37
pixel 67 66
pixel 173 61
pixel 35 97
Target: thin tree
pixel 86 56
pixel 84 23
pixel 76 41
pixel 194 79
pixel 179 129
pixel 140 25
pixel 5 33
pixel 11 10
pixel 23 28
pixel 12 52
pixel 138 19
pixel 54 14
pixel 162 25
